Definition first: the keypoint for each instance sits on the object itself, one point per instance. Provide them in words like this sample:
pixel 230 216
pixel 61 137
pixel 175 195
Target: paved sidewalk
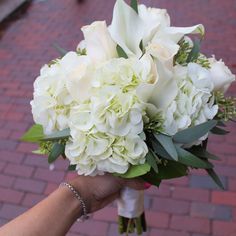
pixel 191 206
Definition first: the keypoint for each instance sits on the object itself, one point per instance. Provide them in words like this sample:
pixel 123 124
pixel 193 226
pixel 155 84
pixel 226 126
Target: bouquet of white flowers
pixel 136 99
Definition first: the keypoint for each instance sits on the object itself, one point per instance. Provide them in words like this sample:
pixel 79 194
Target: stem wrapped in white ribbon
pixel 131 203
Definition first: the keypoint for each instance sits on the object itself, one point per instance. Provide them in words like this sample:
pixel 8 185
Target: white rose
pixel 98 42
pixel 221 75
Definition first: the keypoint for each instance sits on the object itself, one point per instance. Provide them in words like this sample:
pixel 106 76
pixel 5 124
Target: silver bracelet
pixel 82 203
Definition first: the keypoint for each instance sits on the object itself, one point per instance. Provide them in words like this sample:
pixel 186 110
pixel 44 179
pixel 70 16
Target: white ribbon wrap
pixel 131 203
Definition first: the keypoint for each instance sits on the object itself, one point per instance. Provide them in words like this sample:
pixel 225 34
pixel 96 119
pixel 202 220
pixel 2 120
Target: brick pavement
pixel 185 207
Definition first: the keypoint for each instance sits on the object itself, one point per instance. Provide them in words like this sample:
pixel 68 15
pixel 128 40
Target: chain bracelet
pixel 82 203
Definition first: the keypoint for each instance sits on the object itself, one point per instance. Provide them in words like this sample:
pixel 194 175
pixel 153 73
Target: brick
pixel 97 229
pixel 163 191
pixel 106 214
pixel 6 181
pixel 36 160
pixel 232 185
pixel 2 165
pixel 221 228
pixel 50 188
pixel 47 175
pixel 170 205
pixel 8 145
pixel 11 156
pixel 205 182
pixel 31 199
pixel 211 211
pixel 27 147
pixel 157 220
pixel 161 232
pixel 228 171
pixel 227 198
pixel 19 170
pixel 183 181
pixel 4 133
pixel 2 222
pixel 196 225
pixel 9 195
pixel 191 194
pixel 29 185
pixel 10 211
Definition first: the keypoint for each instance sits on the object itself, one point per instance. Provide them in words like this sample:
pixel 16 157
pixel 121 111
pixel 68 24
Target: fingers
pixel 137 184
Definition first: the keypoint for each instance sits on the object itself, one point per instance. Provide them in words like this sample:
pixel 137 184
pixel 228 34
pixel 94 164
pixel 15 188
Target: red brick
pixel 31 199
pixel 106 214
pixel 36 160
pixel 224 228
pixel 183 181
pixel 6 181
pixel 232 184
pixel 9 195
pixel 19 170
pixel 14 116
pixel 227 198
pixel 163 191
pixel 50 188
pixel 211 211
pixel 8 145
pixel 2 165
pixel 157 220
pixel 191 194
pixel 196 225
pixel 161 232
pixel 4 133
pixel 90 227
pixel 27 147
pixel 9 211
pixel 171 206
pixel 29 185
pixel 11 156
pixel 47 175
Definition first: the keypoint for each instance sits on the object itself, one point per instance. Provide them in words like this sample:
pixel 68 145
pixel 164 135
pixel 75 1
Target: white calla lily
pixel 127 28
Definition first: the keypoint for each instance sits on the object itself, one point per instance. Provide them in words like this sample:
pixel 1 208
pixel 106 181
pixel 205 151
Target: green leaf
pixel 167 143
pixel 134 5
pixel 71 167
pixel 189 159
pixel 219 131
pixel 201 152
pixel 152 178
pixel 152 160
pixel 194 133
pixel 34 134
pixel 215 177
pixel 57 135
pixel 121 52
pixel 57 150
pixel 60 50
pixel 38 152
pixel 194 53
pixel 135 171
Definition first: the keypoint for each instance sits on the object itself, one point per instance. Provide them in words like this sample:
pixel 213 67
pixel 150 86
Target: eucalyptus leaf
pixel 194 133
pixel 152 160
pixel 57 150
pixel 34 134
pixel 57 135
pixel 160 151
pixel 194 53
pixel 135 171
pixel 219 131
pixel 167 143
pixel 215 177
pixel 152 178
pixel 189 159
pixel 134 5
pixel 60 50
pixel 201 152
pixel 121 52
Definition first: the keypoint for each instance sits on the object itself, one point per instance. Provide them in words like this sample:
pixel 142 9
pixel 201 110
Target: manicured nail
pixel 147 185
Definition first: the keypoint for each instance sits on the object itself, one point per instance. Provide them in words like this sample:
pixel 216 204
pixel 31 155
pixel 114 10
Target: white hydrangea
pixel 58 87
pixel 96 153
pixel 194 103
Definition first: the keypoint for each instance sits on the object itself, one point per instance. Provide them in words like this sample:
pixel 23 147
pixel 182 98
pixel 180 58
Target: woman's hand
pixel 99 191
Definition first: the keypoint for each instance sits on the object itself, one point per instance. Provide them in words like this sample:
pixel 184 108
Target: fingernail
pixel 147 185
